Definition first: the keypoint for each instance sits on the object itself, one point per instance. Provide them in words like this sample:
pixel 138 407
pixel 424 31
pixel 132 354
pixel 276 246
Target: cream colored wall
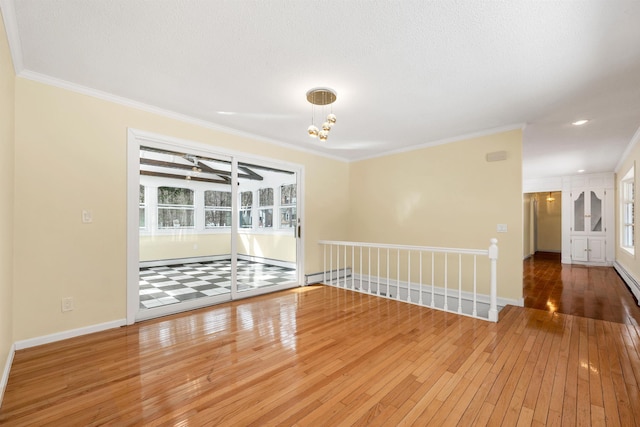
pixel 272 246
pixel 526 225
pixel 447 195
pixel 7 78
pixel 549 222
pixel 280 247
pixel 629 262
pixel 71 155
pixel 183 245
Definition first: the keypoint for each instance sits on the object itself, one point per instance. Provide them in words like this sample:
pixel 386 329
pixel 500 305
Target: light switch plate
pixel 86 216
pixel 502 228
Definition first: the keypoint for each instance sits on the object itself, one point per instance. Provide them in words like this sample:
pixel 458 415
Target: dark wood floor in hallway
pixel 593 292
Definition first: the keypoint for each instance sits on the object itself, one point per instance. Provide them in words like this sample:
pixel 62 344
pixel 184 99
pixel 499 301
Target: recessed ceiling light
pixel 580 170
pixel 580 122
pixel 226 113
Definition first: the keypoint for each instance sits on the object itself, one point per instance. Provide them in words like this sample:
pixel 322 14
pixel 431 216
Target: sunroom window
pixel 246 204
pixel 143 209
pixel 175 208
pixel 265 213
pixel 627 200
pixel 217 209
pixel 288 206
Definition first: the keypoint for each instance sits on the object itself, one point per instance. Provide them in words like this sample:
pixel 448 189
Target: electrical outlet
pixel 67 304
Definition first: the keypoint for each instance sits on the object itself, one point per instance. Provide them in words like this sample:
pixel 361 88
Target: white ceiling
pixel 407 73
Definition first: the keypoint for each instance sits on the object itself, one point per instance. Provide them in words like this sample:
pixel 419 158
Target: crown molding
pixel 11 28
pixel 486 132
pixel 627 151
pixel 105 96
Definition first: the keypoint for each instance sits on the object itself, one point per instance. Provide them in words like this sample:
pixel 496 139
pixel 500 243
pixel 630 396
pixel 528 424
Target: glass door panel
pixel 208 228
pixel 596 212
pixel 185 222
pixel 267 240
pixel 578 212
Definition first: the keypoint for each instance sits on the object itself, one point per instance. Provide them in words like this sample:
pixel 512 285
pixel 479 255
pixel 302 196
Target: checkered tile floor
pixel 172 284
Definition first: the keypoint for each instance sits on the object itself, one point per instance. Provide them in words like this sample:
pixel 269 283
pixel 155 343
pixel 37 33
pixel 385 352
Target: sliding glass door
pixel 209 227
pixel 267 242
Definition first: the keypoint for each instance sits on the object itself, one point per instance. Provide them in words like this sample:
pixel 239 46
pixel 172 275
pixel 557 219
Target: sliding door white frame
pixel 136 138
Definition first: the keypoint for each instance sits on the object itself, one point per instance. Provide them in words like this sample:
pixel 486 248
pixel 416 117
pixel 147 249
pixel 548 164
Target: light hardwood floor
pixel 325 356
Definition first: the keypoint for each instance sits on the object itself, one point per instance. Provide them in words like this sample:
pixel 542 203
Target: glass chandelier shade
pixel 321 97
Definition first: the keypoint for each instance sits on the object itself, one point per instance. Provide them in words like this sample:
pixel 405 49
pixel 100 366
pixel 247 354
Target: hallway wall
pixel 7 111
pixel 549 228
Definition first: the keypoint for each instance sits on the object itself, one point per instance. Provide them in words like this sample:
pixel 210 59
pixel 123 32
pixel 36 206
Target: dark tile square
pixel 186 297
pixel 171 287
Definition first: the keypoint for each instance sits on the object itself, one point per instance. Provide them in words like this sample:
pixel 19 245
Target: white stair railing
pixel 357 266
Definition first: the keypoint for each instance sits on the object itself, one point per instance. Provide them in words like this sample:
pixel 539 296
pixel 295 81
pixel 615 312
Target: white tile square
pixel 150 291
pixel 167 283
pixel 151 303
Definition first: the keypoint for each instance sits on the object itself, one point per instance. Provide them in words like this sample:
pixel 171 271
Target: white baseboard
pixel 277 263
pixel 174 261
pixel 59 336
pixel 6 371
pixel 631 281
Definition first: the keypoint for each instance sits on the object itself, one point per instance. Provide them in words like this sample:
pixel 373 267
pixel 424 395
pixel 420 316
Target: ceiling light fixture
pixel 580 122
pixel 550 198
pixel 321 96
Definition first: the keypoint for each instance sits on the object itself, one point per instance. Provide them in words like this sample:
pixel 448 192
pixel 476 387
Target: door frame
pixel 136 138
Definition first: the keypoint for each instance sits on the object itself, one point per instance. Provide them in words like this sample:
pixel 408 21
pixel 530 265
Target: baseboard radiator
pixel 320 277
pixel 631 282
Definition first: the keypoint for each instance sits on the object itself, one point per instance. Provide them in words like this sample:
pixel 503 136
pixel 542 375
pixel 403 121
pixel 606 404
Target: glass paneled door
pixel 185 229
pixel 587 211
pixel 206 228
pixel 267 243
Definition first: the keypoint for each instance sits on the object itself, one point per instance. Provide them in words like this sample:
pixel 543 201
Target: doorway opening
pixel 543 224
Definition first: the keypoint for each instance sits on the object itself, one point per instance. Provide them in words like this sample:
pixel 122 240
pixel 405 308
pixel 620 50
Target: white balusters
pixel 369 271
pixel 331 263
pixel 469 302
pixel 433 281
pixel 338 265
pixel 345 267
pixel 474 313
pixel 353 254
pixel 420 287
pixel 388 285
pixel 459 283
pixel 398 277
pixel 408 276
pixel 324 264
pixel 446 281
